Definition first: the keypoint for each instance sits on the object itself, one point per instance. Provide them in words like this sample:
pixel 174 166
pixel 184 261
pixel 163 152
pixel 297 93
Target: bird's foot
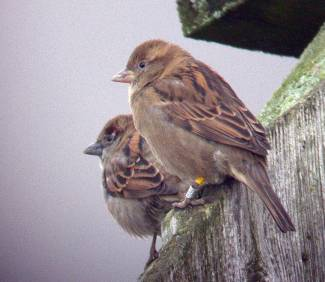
pixel 183 204
pixel 153 256
pixel 190 198
pixel 191 202
pixel 198 202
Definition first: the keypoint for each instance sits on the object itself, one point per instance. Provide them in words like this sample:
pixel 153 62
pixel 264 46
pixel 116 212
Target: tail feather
pixel 256 178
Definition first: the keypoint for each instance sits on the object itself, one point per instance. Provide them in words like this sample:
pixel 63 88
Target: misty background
pixel 57 59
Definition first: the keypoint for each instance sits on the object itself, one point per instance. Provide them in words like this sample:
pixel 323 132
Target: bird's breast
pixel 131 215
pixel 180 152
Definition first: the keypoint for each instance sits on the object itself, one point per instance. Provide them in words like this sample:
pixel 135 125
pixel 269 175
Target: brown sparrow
pixel 138 193
pixel 195 124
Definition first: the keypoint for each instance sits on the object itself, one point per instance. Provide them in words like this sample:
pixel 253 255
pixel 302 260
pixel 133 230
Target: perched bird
pixel 138 193
pixel 195 124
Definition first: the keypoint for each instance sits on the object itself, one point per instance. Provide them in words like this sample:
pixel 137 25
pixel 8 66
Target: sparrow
pixel 195 124
pixel 138 192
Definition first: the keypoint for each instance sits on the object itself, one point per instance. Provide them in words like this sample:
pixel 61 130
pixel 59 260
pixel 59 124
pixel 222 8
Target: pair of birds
pixel 188 129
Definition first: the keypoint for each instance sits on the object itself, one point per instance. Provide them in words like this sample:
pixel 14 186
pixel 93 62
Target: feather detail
pixel 127 172
pixel 218 115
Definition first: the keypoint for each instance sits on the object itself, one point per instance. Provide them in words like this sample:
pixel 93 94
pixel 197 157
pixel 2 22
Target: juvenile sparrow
pixel 138 194
pixel 195 124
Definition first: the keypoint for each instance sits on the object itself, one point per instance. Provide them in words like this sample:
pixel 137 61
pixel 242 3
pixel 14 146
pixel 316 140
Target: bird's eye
pixel 111 137
pixel 142 65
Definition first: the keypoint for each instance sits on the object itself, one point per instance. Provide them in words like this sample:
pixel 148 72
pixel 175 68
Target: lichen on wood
pixel 197 14
pixel 309 72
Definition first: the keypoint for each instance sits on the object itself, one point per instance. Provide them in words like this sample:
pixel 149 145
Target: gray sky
pixel 57 58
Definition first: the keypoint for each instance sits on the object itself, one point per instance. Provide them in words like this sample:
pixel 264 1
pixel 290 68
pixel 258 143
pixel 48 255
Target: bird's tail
pixel 256 178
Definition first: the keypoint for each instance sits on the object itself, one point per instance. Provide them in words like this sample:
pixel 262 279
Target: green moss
pixel 309 72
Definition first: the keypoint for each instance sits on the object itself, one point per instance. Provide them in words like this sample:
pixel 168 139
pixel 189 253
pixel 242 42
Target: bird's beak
pixel 95 149
pixel 124 76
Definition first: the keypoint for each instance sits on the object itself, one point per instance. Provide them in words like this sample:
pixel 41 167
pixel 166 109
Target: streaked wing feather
pixel 135 175
pixel 218 115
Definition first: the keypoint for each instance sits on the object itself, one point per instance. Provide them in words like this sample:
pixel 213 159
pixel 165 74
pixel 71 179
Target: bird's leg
pixel 153 252
pixel 202 201
pixel 189 198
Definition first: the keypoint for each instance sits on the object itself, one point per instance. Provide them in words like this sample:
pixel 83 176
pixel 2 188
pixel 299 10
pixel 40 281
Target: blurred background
pixel 57 59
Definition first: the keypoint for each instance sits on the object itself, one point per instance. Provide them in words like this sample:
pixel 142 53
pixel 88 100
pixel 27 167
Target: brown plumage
pixel 195 124
pixel 138 190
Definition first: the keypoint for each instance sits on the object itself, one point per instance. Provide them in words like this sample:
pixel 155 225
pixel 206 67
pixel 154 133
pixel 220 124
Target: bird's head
pixel 112 137
pixel 151 60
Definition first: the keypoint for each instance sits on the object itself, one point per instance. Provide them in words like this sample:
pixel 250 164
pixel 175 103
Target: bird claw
pixel 198 202
pixel 189 202
pixel 183 204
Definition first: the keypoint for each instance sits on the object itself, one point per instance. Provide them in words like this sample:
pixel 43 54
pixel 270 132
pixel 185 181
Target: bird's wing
pixel 203 103
pixel 131 175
